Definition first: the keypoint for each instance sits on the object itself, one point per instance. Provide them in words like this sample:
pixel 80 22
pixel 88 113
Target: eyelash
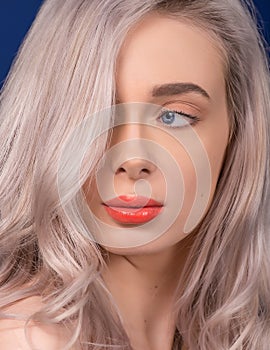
pixel 193 118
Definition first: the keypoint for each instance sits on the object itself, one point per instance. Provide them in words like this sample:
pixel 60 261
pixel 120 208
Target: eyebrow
pixel 178 89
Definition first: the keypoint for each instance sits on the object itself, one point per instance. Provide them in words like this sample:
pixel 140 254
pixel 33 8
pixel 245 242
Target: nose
pixel 132 158
pixel 136 168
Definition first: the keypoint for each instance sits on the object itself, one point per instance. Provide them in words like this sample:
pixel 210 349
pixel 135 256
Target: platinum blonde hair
pixel 63 73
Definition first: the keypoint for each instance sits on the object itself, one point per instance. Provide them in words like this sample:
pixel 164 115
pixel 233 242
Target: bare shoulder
pixel 12 332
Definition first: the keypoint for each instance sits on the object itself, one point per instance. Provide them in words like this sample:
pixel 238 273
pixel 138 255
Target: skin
pixel 142 279
pixel 12 334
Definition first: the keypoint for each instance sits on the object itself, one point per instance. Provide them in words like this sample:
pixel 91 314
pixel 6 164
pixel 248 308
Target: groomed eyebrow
pixel 178 89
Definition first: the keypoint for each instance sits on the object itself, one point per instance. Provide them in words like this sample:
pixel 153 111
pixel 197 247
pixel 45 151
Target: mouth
pixel 133 209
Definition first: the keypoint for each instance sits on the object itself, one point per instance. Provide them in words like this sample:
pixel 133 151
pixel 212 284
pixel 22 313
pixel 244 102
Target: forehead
pixel 161 49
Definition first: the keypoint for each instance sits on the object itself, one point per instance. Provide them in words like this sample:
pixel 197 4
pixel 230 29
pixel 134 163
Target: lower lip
pixel 133 215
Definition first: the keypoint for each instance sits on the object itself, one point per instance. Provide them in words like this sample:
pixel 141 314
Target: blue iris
pixel 168 117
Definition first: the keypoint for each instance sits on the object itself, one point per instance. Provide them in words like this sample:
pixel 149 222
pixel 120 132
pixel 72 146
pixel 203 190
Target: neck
pixel 143 287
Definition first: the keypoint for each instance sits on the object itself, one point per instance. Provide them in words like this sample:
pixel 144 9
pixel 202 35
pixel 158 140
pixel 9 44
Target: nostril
pixel 135 168
pixel 120 170
pixel 146 171
pixel 123 170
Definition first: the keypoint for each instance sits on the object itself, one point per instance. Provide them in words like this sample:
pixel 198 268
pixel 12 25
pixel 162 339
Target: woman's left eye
pixel 177 119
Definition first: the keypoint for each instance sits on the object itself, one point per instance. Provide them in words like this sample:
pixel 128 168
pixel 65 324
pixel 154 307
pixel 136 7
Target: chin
pixel 160 245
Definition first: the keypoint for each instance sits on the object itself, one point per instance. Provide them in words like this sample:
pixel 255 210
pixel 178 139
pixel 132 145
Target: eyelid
pixel 179 110
pixel 184 103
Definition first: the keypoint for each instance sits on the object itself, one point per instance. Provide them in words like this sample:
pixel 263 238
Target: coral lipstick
pixel 133 209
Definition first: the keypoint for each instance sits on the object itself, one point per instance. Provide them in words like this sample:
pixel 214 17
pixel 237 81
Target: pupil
pixel 168 117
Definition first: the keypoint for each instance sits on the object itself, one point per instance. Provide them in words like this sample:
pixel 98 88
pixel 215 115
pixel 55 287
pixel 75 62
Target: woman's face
pixel 172 158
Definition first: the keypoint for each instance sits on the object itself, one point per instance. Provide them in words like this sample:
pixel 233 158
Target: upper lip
pixel 131 201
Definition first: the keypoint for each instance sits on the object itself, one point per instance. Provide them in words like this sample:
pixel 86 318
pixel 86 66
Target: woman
pixel 135 179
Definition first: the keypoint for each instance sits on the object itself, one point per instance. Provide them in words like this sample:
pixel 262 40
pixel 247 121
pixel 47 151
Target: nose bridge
pixel 132 154
pixel 131 141
pixel 128 131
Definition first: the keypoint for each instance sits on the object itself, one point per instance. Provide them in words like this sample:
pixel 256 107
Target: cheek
pixel 215 147
pixel 200 168
pixel 215 142
pixel 214 134
pixel 189 182
pixel 216 156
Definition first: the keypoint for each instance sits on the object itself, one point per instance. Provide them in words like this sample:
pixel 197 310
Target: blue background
pixel 16 17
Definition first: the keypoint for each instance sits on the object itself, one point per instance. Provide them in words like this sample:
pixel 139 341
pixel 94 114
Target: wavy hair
pixel 64 72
